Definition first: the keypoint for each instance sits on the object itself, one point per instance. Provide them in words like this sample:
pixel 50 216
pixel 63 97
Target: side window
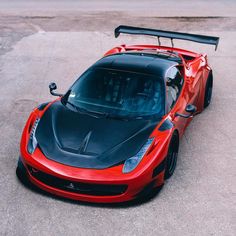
pixel 174 82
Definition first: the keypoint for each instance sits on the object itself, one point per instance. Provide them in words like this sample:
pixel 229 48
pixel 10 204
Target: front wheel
pixel 172 156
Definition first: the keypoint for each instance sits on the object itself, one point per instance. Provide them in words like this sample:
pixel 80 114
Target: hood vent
pixel 84 144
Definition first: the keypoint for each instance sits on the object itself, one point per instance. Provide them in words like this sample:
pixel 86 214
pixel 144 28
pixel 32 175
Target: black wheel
pixel 172 156
pixel 208 90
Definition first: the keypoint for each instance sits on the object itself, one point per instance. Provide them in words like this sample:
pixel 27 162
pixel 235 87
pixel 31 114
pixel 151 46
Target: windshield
pixel 117 93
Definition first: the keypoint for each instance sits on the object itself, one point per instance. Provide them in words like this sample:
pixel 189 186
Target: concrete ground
pixel 44 41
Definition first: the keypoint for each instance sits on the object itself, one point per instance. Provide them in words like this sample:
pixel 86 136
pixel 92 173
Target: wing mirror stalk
pixel 52 86
pixel 191 109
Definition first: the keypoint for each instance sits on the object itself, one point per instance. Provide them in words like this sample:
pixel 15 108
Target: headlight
pixel 131 163
pixel 32 144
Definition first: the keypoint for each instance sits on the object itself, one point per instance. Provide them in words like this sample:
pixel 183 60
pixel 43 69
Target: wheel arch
pixel 208 74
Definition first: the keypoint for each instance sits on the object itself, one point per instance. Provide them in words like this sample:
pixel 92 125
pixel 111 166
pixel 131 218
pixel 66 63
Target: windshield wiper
pixel 115 117
pixel 71 104
pixel 88 112
pixel 98 114
pixel 93 113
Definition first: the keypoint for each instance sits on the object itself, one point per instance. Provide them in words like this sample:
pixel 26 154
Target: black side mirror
pixel 191 109
pixel 52 86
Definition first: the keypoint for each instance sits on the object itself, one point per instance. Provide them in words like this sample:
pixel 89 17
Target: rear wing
pixel 167 34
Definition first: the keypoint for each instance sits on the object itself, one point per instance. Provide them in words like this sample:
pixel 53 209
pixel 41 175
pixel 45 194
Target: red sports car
pixel 114 136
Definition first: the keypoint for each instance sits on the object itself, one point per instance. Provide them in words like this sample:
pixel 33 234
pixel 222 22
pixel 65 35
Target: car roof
pixel 147 63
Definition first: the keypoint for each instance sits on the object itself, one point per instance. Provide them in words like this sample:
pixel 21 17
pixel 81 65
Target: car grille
pixel 77 187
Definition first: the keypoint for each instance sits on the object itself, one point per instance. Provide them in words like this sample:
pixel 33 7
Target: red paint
pixel 195 73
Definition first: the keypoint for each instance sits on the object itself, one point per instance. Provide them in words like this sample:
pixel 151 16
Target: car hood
pixel 81 140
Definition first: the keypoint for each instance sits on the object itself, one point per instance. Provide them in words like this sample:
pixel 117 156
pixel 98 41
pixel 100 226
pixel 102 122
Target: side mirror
pixel 190 109
pixel 52 86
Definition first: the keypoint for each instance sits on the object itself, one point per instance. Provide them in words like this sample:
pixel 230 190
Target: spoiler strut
pixel 167 34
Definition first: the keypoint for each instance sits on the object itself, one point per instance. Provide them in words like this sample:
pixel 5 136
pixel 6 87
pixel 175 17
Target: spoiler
pixel 167 34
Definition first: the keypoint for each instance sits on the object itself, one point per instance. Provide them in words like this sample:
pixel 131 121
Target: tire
pixel 172 156
pixel 208 90
pixel 21 173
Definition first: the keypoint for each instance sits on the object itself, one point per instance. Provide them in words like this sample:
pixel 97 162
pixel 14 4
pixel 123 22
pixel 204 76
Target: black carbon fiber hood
pixel 80 140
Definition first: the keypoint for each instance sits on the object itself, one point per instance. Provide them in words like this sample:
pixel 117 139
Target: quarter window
pixel 174 82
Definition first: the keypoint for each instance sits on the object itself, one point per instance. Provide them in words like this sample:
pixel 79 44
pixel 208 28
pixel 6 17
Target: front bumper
pixel 104 192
